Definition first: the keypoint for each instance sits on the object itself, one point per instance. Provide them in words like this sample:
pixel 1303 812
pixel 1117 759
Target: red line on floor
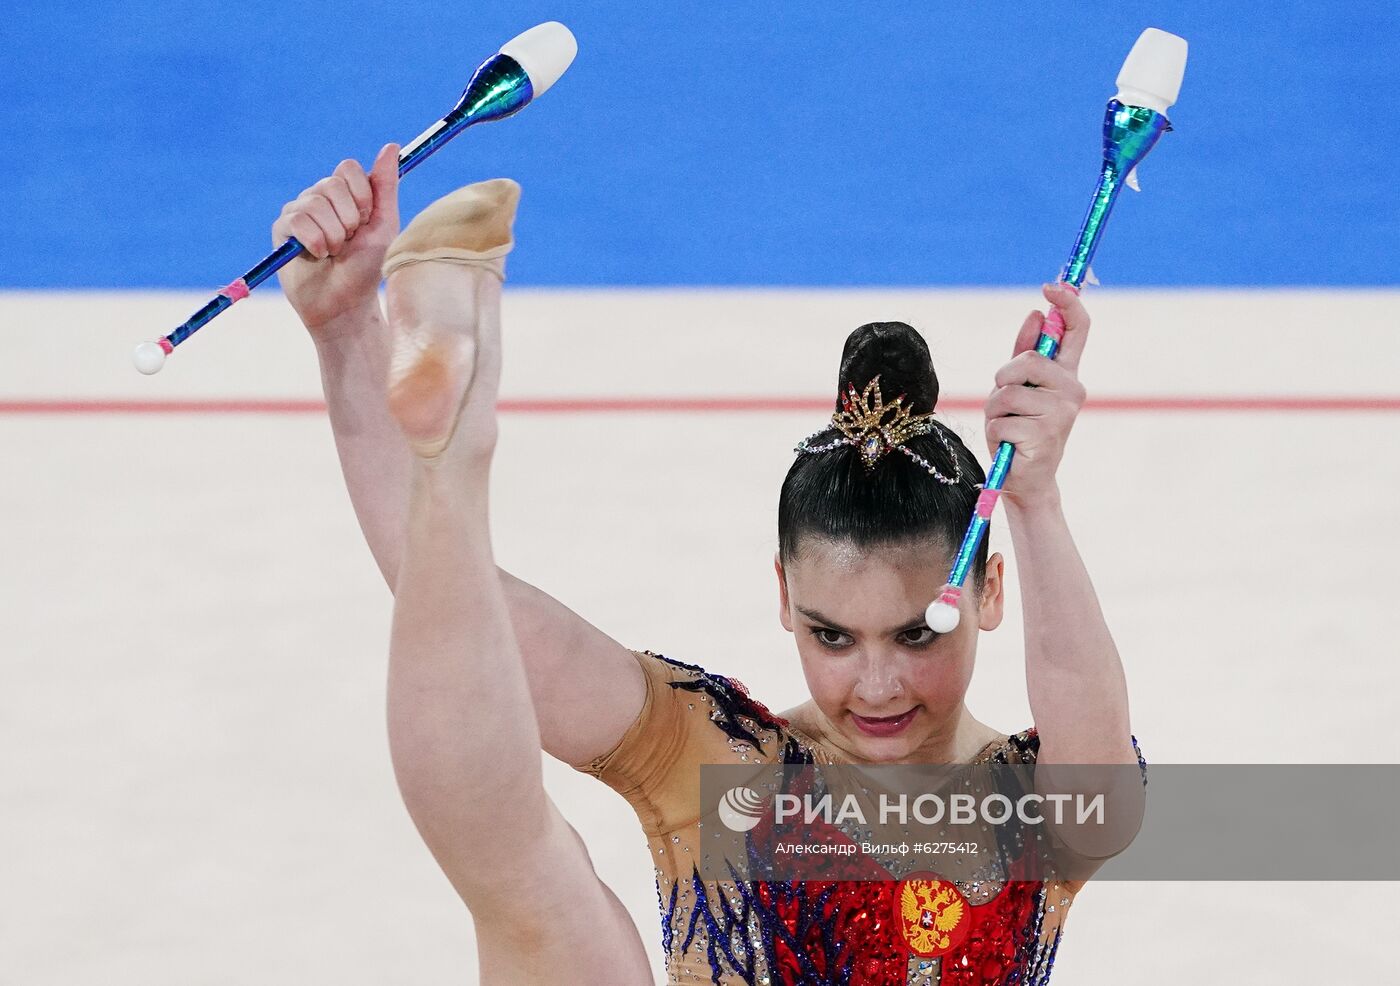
pixel 586 405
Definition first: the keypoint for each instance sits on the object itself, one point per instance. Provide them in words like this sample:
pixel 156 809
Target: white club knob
pixel 941 617
pixel 148 357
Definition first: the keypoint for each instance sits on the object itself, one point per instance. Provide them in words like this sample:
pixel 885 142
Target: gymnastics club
pixel 1147 86
pixel 524 68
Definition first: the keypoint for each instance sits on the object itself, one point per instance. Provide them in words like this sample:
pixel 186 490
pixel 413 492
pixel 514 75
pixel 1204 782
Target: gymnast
pixel 485 669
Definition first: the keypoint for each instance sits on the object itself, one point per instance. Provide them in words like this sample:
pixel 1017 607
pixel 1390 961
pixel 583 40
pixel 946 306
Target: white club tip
pixel 545 52
pixel 1152 73
pixel 148 358
pixel 941 618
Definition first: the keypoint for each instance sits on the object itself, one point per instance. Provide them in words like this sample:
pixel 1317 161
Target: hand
pixel 346 223
pixel 1037 419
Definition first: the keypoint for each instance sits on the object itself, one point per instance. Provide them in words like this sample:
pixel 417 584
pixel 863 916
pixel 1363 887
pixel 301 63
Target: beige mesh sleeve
pixel 656 764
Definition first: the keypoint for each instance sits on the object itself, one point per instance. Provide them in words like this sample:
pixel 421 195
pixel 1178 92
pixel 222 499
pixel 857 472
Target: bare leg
pixel 462 729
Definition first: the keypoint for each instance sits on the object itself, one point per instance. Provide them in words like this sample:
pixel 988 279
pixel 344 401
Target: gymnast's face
pixel 888 688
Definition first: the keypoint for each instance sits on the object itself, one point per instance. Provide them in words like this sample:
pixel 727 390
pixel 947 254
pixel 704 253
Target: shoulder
pixel 737 713
pixel 709 702
pixel 691 717
pixel 1024 748
pixel 732 719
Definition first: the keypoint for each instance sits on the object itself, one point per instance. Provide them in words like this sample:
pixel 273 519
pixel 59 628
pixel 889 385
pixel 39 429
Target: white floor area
pixel 195 786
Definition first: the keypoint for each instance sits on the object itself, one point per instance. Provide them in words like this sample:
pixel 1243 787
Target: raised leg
pixel 463 734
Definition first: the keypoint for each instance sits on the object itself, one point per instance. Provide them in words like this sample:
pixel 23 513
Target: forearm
pixel 374 458
pixel 1078 693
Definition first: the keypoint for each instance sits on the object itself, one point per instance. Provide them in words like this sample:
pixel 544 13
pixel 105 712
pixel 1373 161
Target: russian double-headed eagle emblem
pixel 932 914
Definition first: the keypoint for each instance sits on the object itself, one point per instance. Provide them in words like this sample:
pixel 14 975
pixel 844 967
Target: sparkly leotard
pixel 801 933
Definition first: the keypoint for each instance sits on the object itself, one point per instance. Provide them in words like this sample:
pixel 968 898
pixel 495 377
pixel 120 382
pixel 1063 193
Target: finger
pixel 1076 322
pixel 337 191
pixel 384 180
pixel 319 208
pixel 1029 334
pixel 280 228
pixel 1022 401
pixel 357 181
pixel 1015 430
pixel 307 232
pixel 1033 369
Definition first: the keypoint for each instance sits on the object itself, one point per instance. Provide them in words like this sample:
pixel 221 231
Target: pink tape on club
pixel 987 503
pixel 1054 325
pixel 236 291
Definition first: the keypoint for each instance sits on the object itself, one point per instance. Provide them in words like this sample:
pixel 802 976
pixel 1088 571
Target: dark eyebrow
pixel 814 616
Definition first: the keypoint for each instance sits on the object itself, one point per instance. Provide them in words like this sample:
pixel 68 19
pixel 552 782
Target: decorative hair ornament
pixel 875 428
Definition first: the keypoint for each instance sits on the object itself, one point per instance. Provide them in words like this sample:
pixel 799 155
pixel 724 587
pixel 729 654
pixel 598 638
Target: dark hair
pixel 832 495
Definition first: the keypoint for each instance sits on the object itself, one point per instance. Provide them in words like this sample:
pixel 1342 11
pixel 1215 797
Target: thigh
pixel 558 922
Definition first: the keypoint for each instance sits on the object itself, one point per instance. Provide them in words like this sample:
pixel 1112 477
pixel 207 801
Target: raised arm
pixel 1078 693
pixel 585 684
pixel 346 222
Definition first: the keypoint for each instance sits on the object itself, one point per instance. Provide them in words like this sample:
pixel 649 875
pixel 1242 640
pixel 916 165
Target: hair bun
pixel 898 355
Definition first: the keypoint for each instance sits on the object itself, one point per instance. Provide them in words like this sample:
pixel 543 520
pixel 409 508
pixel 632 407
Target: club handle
pixel 256 274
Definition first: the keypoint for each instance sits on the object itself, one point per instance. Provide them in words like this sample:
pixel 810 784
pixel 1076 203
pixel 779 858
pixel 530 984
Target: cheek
pixel 829 679
pixel 942 681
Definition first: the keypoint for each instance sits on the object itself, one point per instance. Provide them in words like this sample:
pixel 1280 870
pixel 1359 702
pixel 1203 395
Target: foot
pixel 444 276
pixel 434 313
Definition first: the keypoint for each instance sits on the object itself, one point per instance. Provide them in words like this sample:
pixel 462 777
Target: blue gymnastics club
pixel 503 85
pixel 1148 85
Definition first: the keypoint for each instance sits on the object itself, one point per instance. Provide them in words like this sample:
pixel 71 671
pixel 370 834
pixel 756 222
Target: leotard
pixel 801 933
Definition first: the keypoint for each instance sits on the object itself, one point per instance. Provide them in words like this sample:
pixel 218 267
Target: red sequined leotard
pixel 800 933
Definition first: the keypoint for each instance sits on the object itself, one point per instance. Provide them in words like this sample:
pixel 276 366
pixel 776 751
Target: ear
pixel 783 615
pixel 991 606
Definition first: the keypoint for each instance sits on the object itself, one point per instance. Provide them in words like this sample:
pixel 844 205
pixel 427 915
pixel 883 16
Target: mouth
pixel 884 725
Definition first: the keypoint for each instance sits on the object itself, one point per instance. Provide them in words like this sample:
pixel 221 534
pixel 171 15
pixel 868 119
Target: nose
pixel 878 685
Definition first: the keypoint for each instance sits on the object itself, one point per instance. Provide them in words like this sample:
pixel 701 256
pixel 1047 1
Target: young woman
pixel 862 552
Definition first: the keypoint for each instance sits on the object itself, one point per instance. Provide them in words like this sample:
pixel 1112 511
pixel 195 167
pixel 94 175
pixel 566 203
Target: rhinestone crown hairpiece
pixel 875 428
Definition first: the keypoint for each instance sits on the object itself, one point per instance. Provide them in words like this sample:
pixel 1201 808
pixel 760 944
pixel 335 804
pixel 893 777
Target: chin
pixel 886 750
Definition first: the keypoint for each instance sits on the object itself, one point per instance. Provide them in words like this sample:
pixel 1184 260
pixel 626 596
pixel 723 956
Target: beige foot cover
pixel 470 226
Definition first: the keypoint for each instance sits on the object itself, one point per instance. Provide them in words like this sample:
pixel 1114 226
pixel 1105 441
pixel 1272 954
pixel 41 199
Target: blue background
pixel 151 145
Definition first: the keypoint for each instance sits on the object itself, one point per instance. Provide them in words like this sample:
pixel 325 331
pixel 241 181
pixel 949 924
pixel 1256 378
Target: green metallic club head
pixel 499 88
pixel 1129 133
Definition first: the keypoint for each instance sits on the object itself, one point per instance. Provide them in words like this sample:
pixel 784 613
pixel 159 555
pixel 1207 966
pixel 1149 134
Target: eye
pixel 824 636
pixel 920 636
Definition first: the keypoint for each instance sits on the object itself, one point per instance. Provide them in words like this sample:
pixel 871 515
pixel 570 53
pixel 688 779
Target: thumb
pixel 384 182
